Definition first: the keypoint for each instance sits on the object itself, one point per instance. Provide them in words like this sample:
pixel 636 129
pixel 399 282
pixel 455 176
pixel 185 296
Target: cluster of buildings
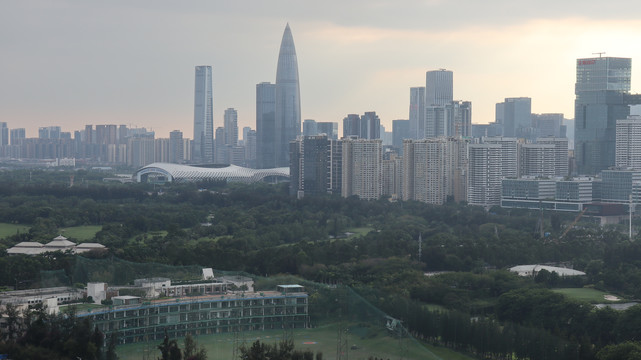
pixel 154 307
pixel 520 160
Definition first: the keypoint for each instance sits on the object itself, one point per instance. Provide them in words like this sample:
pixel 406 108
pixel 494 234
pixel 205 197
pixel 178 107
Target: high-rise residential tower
pixel 203 142
pixel 288 118
pixel 628 143
pixel 602 97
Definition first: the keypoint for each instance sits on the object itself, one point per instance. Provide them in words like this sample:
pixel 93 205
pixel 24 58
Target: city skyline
pixel 70 63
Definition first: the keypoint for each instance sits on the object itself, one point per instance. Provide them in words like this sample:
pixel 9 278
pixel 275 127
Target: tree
pixel 191 351
pixel 169 349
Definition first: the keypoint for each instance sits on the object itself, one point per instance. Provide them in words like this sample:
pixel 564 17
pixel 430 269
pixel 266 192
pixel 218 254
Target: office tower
pixel 310 127
pixel 484 175
pixel 265 125
pixel 439 87
pixel 246 129
pixel 176 154
pixel 417 113
pixel 451 119
pixel 231 127
pixel 4 134
pixel 309 169
pixel 250 148
pixel 287 98
pixel 400 131
pixel 187 148
pixel 361 168
pixel 602 97
pixel 220 155
pixel 328 128
pixel 548 125
pixel 537 160
pixel 17 135
pixel 459 115
pixel 352 125
pixel 370 126
pixel 435 124
pixel 367 126
pixel 509 154
pixel 561 157
pixel 515 116
pixel 203 141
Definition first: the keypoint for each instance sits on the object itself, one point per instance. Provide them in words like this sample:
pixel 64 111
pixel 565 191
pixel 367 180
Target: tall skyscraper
pixel 231 127
pixel 203 141
pixel 602 97
pixel 265 125
pixel 417 113
pixel 288 118
pixel 400 131
pixel 439 87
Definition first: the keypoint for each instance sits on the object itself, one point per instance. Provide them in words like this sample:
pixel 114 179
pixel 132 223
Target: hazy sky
pixel 72 63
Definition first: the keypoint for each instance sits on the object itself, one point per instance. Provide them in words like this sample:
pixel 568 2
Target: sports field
pixel 590 295
pixel 81 233
pixel 362 342
pixel 7 229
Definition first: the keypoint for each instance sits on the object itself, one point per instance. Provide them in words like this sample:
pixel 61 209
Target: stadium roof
pixel 187 173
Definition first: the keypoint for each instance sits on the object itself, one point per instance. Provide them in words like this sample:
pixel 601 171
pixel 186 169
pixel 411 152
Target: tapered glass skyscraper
pixel 288 117
pixel 203 143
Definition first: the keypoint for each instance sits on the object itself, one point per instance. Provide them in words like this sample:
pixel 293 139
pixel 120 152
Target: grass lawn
pixel 585 294
pixel 7 229
pixel 323 338
pixel 361 231
pixel 81 233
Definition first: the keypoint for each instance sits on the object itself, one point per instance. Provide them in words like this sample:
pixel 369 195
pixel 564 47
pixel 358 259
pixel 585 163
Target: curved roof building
pixel 186 173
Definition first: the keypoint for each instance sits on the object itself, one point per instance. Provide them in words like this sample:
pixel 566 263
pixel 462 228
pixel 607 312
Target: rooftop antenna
pixel 599 53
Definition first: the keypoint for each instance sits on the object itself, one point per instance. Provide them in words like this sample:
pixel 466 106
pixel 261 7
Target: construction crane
pixel 576 220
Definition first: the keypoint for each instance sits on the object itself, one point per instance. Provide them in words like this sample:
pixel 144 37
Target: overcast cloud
pixel 72 63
